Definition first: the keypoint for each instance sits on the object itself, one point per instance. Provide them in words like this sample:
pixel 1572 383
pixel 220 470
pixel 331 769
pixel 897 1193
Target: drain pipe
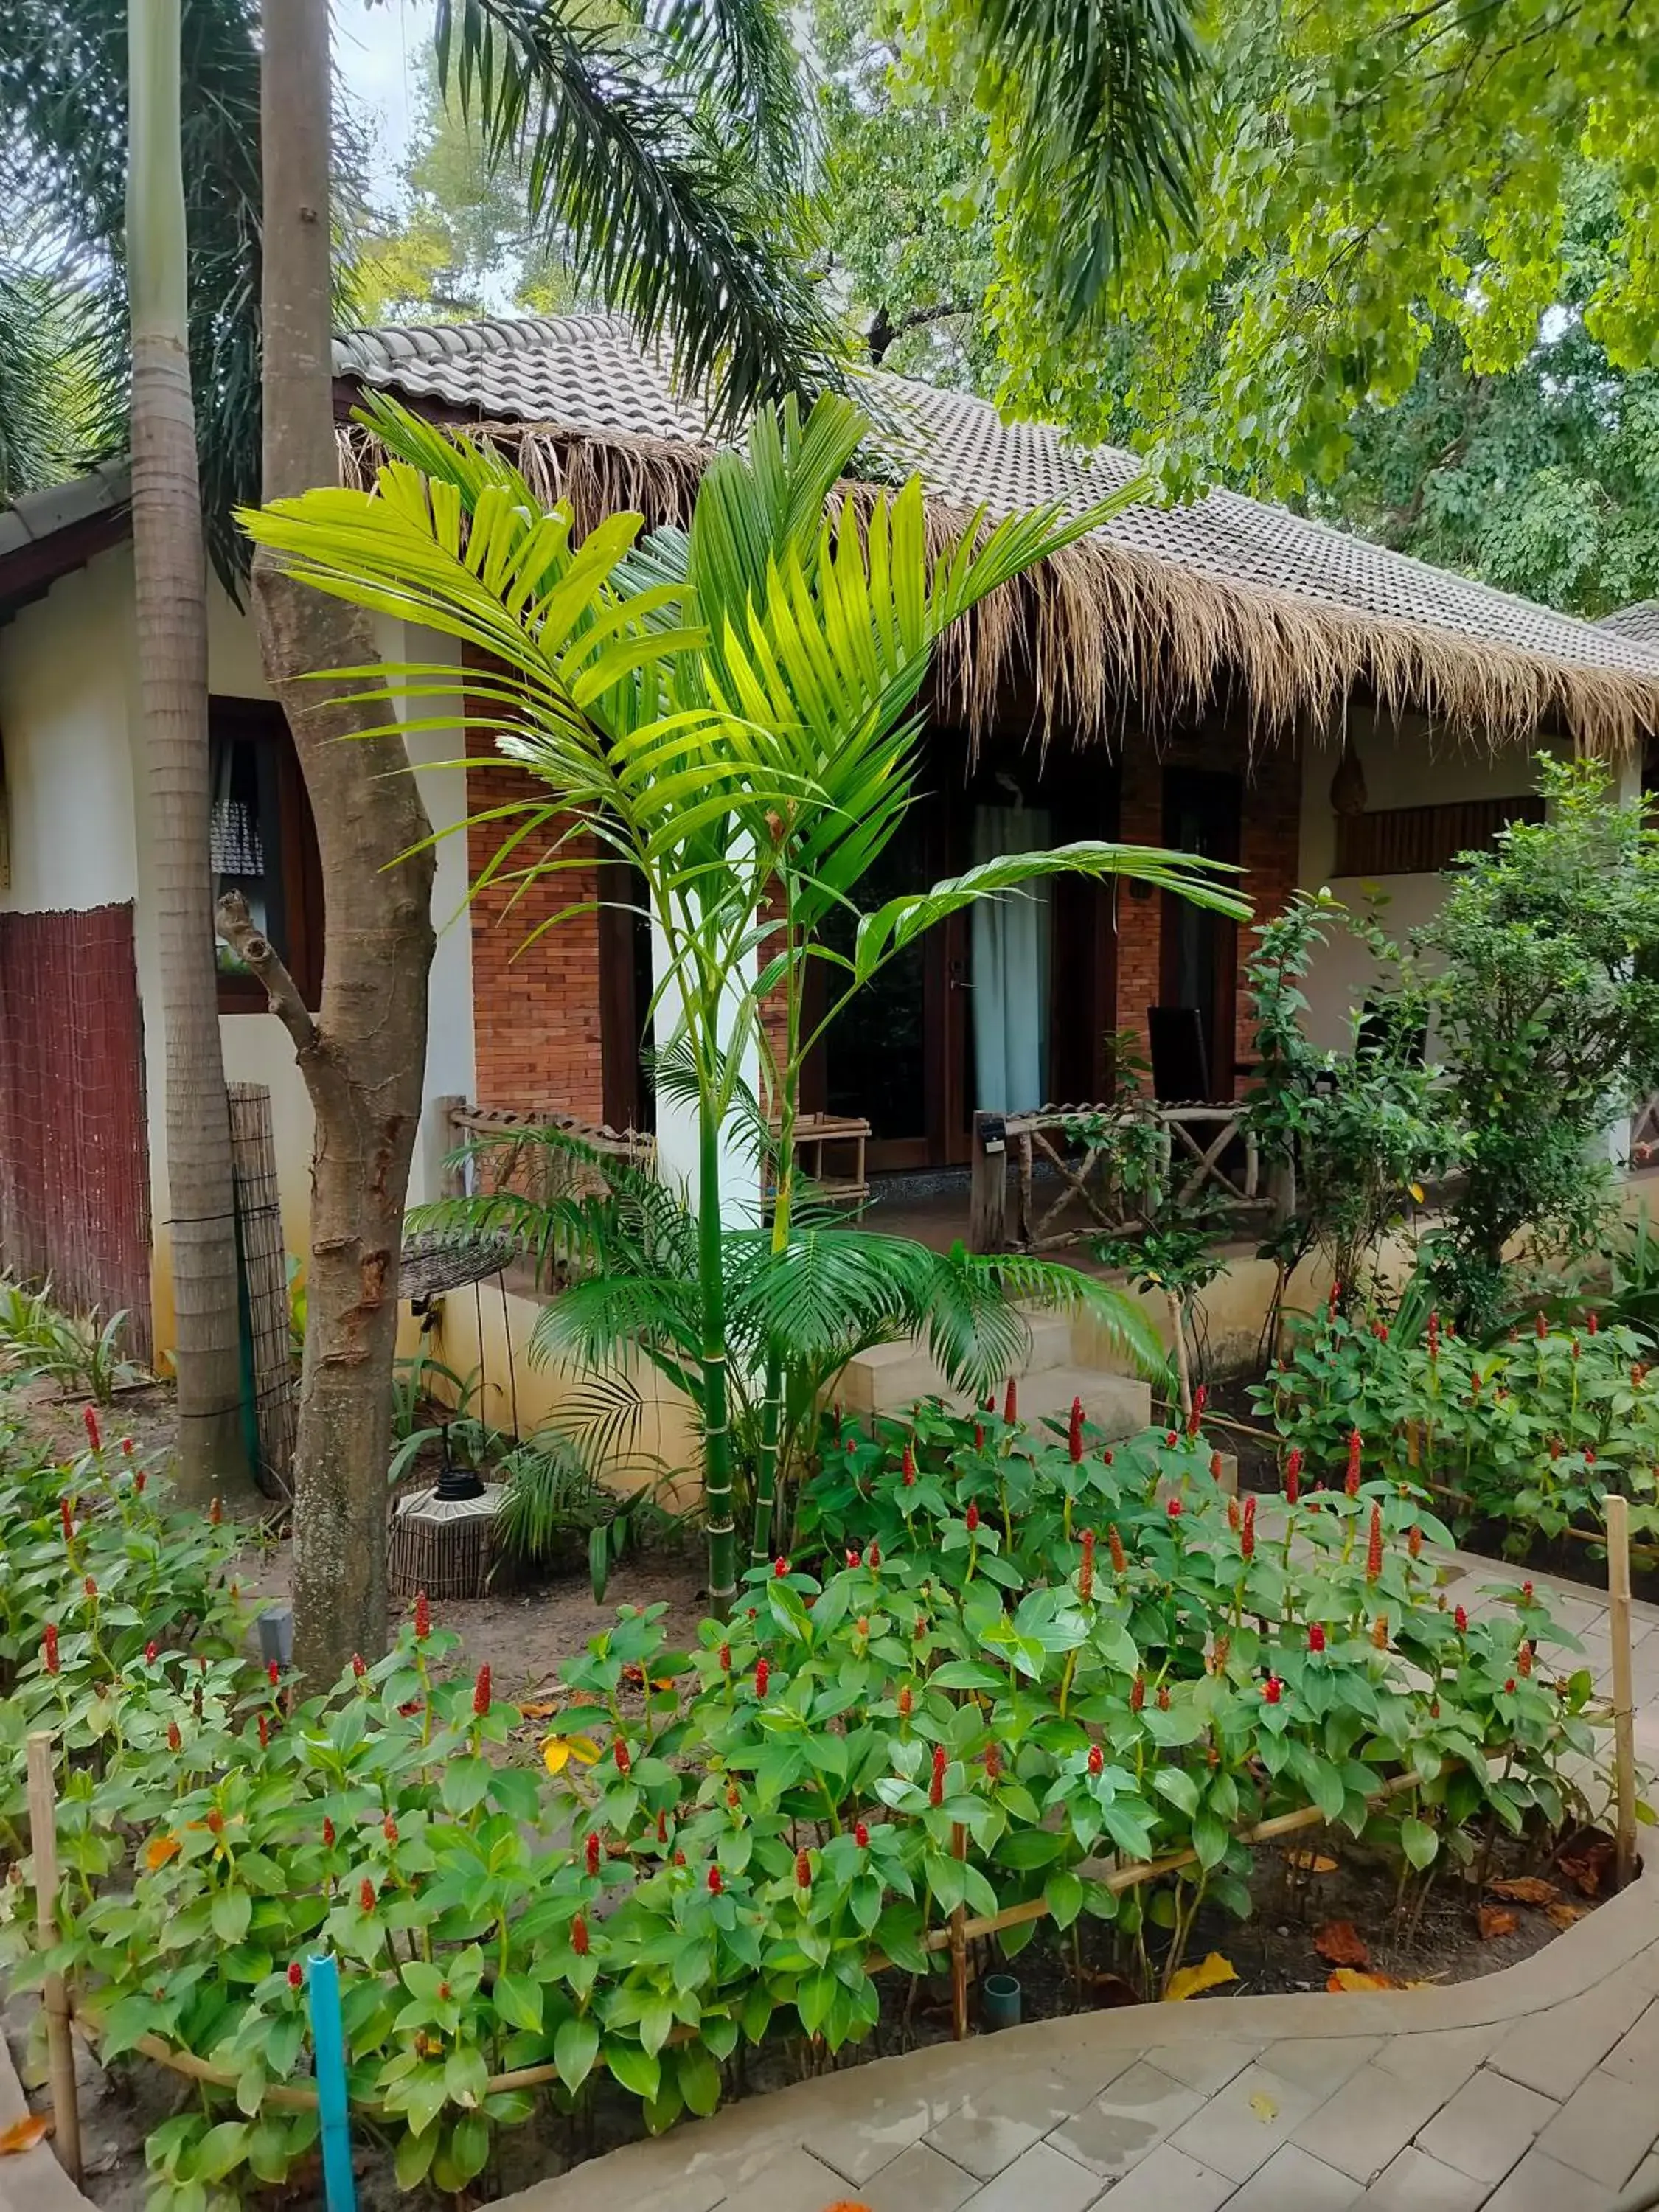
pixel 328 2046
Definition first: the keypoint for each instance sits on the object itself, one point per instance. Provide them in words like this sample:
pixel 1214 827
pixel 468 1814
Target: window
pixel 1421 841
pixel 263 844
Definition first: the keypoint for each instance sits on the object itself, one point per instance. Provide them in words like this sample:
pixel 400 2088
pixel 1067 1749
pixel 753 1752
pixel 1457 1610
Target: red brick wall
pixel 1269 842
pixel 536 1007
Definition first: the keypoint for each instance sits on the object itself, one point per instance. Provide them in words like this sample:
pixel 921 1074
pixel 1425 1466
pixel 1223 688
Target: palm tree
pixel 730 710
pixel 172 684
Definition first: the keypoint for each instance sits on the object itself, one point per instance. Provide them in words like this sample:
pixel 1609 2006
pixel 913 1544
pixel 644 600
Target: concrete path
pixel 1535 2089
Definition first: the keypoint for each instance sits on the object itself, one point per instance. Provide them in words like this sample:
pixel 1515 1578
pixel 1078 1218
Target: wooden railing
pixel 1644 1133
pixel 1065 1180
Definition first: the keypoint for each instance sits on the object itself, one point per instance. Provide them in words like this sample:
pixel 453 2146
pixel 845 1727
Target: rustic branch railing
pixel 1644 1133
pixel 1203 1148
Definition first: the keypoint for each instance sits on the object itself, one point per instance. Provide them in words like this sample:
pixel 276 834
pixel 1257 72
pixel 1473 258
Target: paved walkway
pixel 1535 2089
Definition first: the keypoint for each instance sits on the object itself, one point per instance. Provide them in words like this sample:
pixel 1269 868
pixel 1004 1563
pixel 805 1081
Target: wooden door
pixel 1199 949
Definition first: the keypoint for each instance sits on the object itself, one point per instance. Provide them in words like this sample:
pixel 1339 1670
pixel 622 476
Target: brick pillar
pixel 1139 913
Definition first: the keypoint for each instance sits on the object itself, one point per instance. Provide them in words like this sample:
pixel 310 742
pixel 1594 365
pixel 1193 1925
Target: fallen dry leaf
pixel 1564 1914
pixel 1494 1920
pixel 1525 1889
pixel 1340 1943
pixel 1348 1978
pixel 1191 1981
pixel 1108 1988
pixel 160 1848
pixel 1586 1868
pixel 1310 1863
pixel 538 1709
pixel 1264 2108
pixel 24 2134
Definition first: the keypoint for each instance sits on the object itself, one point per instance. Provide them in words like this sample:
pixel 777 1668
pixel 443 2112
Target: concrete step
pixel 890 1377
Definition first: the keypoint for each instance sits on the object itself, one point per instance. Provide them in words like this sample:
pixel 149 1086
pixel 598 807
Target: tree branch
pixel 885 328
pixel 235 924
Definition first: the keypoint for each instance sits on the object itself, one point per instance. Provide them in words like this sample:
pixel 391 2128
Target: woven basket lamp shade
pixel 443 1540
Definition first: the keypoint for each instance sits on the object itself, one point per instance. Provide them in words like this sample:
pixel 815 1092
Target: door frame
pixel 1223 793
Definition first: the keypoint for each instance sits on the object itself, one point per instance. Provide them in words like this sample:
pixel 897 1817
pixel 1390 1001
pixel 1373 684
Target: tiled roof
pixel 587 375
pixel 1640 622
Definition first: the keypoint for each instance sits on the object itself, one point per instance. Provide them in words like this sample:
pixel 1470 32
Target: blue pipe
pixel 328 2046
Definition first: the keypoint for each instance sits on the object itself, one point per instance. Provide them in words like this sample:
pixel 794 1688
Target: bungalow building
pixel 1227 677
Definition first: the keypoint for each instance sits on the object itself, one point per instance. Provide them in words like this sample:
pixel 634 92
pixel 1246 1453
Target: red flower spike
pixel 662 1836
pixel 1232 1514
pixel 763 1676
pixel 1509 1685
pixel 1540 1324
pixel 1115 1543
pixel 328 1832
pixel 1074 1434
pixel 273 1673
pixel 216 1822
pixel 1138 1694
pixel 422 1617
pixel 1010 1401
pixel 1373 1547
pixel 365 1895
pixel 152 1651
pixel 1293 1475
pixel 296 1975
pixel 1315 1638
pixel 389 1829
pixel 1590 1323
pixel 907 1465
pixel 1523 1663
pixel 1434 1333
pixel 1106 1455
pixel 1461 1621
pixel 861 1835
pixel 216 1513
pixel 1096 1759
pixel 1174 1509
pixel 803 1870
pixel 726 1658
pixel 1380 1631
pixel 1414 1542
pixel 579 1936
pixel 1575 1347
pixel 621 1756
pixel 907 1702
pixel 1526 1593
pixel 733 1796
pixel 49 1647
pixel 1351 1481
pixel 992 1762
pixel 1273 1690
pixel 481 1696
pixel 1163 1697
pixel 972 1518
pixel 1171 1439
pixel 126 1446
pixel 715 1884
pixel 979 1436
pixel 264 1732
pixel 89 1416
pixel 679 1858
pixel 1199 1396
pixel 139 1480
pixel 856 1557
pixel 66 1516
pixel 175 1741
pixel 357 1667
pixel 89 1587
pixel 873 1560
pixel 1216 1469
pixel 1086 1578
pixel 779 1569
pixel 1247 1534
pixel 936 1787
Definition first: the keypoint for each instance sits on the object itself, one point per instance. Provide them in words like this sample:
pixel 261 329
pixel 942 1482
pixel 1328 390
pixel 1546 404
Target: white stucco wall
pixel 1405 766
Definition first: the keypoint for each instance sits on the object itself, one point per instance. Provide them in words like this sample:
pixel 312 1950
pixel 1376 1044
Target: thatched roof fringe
pixel 1103 630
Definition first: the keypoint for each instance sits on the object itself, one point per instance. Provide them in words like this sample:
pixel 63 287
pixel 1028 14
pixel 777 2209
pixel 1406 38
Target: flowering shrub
pixel 1009 1654
pixel 1532 1432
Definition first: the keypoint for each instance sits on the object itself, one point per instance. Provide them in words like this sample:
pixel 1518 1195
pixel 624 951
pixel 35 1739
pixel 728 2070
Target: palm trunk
pixel 364 1056
pixel 716 1429
pixel 171 590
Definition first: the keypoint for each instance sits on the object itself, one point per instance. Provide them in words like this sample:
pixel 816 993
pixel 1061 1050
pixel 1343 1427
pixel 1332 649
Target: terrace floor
pixel 1529 2090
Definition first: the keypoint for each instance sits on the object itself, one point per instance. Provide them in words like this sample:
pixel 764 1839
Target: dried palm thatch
pixel 1109 640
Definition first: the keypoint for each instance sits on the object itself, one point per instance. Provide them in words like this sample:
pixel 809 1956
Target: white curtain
pixel 1010 974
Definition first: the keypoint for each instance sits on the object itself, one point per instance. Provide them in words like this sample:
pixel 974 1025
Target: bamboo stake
pixel 957 1938
pixel 54 1997
pixel 1624 1703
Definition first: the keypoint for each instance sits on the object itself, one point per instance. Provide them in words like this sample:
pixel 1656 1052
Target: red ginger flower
pixel 1380 1631
pixel 1374 1548
pixel 1293 1474
pixel 357 1666
pixel 365 1895
pixel 481 1698
pixel 779 1569
pixel 422 1616
pixel 1115 1544
pixel 1174 1509
pixel 296 1975
pixel 126 1446
pixel 1273 1690
pixel 389 1829
pixel 216 1513
pixel 763 1676
pixel 1540 1324
pixel 175 1741
pixel 1096 1759
pixel 152 1650
pixel 1434 1332
pixel 621 1756
pixel 1215 1467
pixel 726 1658
pixel 733 1796
pixel 907 1702
pixel 1232 1514
pixel 1414 1542
pixel 861 1835
pixel 992 1762
pixel 1461 1621
pixel 273 1673
pixel 803 1870
pixel 936 1787
pixel 592 1847
pixel 90 1418
pixel 662 1827
pixel 1138 1694
pixel 973 1518
pixel 1526 1593
pixel 579 1936
pixel 1590 1323
pixel 1247 1534
pixel 1200 1398
pixel 1171 1438
pixel 139 1480
pixel 49 1647
pixel 1010 1401
pixel 979 1436
pixel 1315 1638
pixel 90 1587
pixel 907 1468
pixel 1509 1685
pixel 715 1884
pixel 1351 1482
pixel 1085 1576
pixel 1074 1434
pixel 856 1557
pixel 1163 1697
pixel 265 1731
pixel 874 1558
pixel 1523 1663
pixel 66 1516
pixel 1106 1455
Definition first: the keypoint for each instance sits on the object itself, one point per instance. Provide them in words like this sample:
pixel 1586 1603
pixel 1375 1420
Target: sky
pixel 376 49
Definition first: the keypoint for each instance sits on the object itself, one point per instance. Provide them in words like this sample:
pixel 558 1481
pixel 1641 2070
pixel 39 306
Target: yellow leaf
pixel 159 1850
pixel 559 1750
pixel 24 2134
pixel 1192 1981
pixel 1416 1190
pixel 1264 2108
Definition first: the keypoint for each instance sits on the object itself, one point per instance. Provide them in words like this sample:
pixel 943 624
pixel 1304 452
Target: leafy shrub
pixel 1015 1651
pixel 1534 1430
pixel 41 1343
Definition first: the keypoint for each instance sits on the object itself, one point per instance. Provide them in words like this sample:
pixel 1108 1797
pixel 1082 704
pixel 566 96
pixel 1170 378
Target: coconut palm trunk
pixel 173 686
pixel 363 1053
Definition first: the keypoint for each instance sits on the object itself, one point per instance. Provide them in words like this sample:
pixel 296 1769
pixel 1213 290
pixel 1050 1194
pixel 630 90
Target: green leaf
pixel 575 2046
pixel 1063 1895
pixel 465 2075
pixel 413 2156
pixel 1419 1841
pixel 637 2071
pixel 220 2149
pixel 465 1784
pixel 231 1911
pixel 699 2079
pixel 469 2145
pixel 518 2000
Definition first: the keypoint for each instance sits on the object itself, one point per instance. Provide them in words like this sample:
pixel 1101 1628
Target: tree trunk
pixel 364 1056
pixel 171 590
